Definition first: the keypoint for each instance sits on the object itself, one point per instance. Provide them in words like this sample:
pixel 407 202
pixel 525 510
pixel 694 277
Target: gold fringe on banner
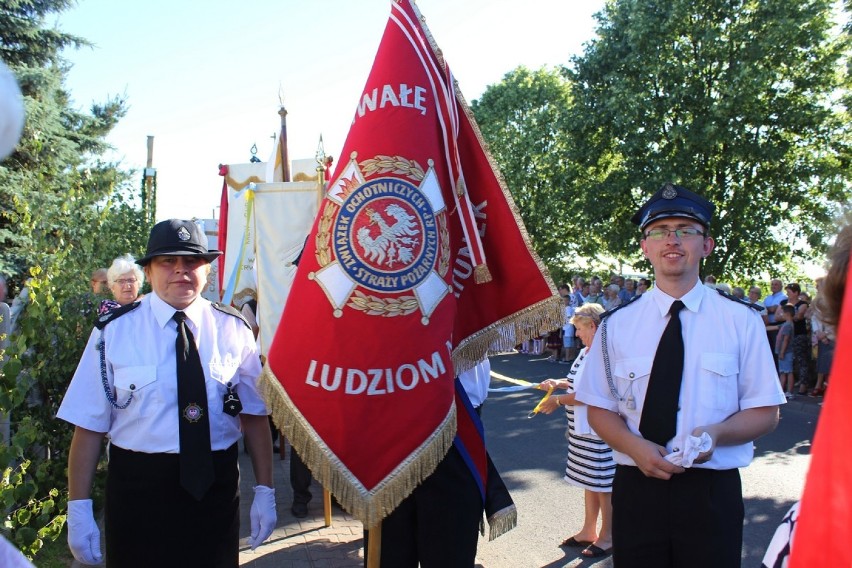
pixel 369 507
pixel 481 274
pixel 502 522
pixel 505 334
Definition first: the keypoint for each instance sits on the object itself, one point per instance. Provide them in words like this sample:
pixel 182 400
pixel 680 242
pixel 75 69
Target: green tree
pixel 523 119
pixel 63 212
pixel 737 100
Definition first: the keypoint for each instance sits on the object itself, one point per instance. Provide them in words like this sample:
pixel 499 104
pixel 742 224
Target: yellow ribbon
pixel 519 382
pixel 528 384
pixel 538 406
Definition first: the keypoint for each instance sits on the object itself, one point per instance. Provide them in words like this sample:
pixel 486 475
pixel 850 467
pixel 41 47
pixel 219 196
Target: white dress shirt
pixel 728 366
pixel 774 300
pixel 475 382
pixel 140 359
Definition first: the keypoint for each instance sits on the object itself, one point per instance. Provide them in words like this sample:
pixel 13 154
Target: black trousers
pixel 152 521
pixel 772 336
pixel 300 478
pixel 693 520
pixel 437 525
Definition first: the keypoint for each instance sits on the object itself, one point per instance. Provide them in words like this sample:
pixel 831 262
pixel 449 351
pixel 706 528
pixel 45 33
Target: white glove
pixel 263 515
pixel 694 446
pixel 84 538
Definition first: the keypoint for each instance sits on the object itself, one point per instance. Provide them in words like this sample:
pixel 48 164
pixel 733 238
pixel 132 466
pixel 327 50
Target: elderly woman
pixel 124 278
pixel 590 462
pixel 611 299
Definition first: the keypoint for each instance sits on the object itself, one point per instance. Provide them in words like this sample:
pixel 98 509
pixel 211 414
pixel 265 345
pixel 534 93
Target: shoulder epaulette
pixel 231 311
pixel 618 307
pixel 115 313
pixel 737 300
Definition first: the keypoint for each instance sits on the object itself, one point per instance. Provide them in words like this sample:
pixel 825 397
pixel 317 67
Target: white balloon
pixel 11 111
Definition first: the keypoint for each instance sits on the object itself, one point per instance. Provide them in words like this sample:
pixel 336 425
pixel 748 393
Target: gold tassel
pixel 481 274
pixel 369 507
pixel 502 522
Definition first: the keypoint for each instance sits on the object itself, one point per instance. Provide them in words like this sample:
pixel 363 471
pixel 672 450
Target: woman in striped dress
pixel 590 463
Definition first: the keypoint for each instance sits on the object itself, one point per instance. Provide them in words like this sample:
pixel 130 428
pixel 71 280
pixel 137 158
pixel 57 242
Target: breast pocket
pixel 718 389
pixel 224 373
pixel 140 382
pixel 630 377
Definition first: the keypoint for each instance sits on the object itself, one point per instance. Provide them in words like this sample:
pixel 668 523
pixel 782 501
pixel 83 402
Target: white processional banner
pixel 238 278
pixel 283 216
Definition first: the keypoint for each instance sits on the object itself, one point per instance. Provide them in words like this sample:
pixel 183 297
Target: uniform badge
pixel 231 404
pixel 669 192
pixel 183 234
pixel 193 412
pixel 382 243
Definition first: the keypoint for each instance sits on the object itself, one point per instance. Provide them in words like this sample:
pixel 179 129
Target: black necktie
pixel 196 459
pixel 659 413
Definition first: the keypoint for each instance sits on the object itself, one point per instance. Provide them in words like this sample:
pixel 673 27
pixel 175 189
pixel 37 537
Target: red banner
pixel 824 526
pixel 417 266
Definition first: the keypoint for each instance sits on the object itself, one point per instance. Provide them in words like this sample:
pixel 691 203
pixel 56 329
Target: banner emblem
pixel 382 239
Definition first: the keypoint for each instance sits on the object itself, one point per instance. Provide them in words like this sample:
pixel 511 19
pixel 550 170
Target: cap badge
pixel 183 234
pixel 669 192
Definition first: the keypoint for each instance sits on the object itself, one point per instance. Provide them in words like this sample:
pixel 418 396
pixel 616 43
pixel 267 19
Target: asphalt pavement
pixel 530 453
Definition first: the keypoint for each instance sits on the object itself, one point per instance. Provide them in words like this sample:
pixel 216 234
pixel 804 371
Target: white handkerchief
pixel 694 446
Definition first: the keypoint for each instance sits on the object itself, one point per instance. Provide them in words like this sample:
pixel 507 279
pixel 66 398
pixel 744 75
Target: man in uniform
pixel 680 383
pixel 170 380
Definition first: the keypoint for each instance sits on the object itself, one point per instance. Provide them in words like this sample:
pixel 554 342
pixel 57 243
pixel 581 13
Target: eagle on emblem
pixel 394 243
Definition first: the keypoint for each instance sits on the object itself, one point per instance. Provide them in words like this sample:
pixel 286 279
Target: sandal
pixel 574 543
pixel 593 551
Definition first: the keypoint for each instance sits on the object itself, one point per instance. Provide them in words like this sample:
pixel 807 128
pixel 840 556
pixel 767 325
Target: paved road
pixel 530 454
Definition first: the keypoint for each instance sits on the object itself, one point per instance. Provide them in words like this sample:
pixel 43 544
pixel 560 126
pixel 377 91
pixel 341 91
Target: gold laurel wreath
pixel 323 238
pixel 392 164
pixel 386 307
pixel 444 263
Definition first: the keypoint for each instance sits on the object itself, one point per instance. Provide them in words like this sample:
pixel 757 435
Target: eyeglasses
pixel 661 233
pixel 125 281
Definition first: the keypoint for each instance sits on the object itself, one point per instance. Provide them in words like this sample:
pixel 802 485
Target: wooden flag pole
pixel 326 506
pixel 374 548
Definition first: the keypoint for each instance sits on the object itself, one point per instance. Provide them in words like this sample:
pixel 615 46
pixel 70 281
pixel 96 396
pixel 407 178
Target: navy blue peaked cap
pixel 674 201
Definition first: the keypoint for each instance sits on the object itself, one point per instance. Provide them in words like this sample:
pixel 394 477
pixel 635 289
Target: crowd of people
pixel 802 342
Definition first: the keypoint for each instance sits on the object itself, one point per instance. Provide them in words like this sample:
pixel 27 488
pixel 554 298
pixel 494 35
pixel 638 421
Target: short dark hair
pixel 788 309
pixel 794 286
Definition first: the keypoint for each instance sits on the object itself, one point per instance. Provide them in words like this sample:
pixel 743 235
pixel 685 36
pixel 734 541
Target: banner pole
pixel 326 506
pixel 374 548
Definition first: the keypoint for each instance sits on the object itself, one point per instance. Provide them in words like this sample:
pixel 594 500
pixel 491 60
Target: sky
pixel 205 78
